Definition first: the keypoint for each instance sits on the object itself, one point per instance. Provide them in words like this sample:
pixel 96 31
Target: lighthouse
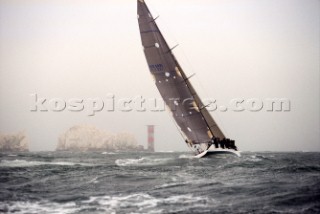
pixel 150 138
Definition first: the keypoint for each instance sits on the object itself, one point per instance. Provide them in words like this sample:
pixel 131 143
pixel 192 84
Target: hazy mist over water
pixel 238 49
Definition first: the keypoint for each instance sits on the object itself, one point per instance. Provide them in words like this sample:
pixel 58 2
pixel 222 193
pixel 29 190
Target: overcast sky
pixel 88 49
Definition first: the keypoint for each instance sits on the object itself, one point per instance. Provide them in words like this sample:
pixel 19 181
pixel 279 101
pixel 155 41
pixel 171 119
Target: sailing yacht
pixel 199 130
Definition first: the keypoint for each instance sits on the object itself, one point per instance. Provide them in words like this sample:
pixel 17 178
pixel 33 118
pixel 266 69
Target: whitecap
pixel 128 162
pixel 146 203
pixel 108 153
pixel 187 157
pixel 24 163
pixel 41 207
pixel 170 185
pixel 94 180
pixel 254 158
pixel 142 161
pixel 141 202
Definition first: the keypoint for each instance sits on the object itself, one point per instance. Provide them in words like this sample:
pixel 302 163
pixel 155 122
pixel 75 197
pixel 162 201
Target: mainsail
pixel 191 116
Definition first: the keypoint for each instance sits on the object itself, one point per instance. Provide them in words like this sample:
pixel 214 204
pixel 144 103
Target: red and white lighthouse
pixel 151 138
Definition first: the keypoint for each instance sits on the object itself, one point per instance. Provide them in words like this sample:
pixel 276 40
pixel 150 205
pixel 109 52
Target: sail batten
pixel 191 116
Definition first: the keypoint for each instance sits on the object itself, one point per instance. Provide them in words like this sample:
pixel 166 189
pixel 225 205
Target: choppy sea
pixel 97 182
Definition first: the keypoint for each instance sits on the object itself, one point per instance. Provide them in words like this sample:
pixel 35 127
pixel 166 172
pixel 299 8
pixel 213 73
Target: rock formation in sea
pixel 90 138
pixel 16 142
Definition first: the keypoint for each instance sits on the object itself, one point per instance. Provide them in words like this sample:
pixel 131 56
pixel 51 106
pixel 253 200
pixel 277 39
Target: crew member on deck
pixel 216 142
pixel 233 145
pixel 227 143
pixel 222 143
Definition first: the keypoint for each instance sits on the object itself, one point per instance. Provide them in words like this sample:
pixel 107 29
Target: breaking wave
pixel 142 161
pixel 24 163
pixel 159 183
pixel 187 156
pixel 37 207
pixel 108 153
pixel 145 203
pixel 133 203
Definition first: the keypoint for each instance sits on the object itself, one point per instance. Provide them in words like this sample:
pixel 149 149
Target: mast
pixel 186 107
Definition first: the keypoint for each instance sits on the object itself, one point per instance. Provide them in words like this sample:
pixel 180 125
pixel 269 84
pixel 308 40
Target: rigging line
pixel 181 133
pixel 164 58
pixel 185 77
pixel 217 117
pixel 193 95
pixel 203 90
pixel 186 81
pixel 189 65
pixel 159 35
pixel 170 38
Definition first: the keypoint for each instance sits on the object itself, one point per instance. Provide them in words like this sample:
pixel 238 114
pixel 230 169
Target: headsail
pixel 188 111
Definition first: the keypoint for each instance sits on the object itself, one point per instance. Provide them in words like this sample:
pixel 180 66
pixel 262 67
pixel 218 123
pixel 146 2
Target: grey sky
pixel 237 48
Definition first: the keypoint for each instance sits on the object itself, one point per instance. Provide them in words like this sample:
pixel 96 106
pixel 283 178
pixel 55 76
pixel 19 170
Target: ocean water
pixel 96 182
